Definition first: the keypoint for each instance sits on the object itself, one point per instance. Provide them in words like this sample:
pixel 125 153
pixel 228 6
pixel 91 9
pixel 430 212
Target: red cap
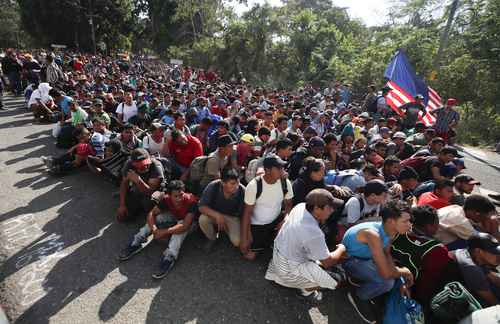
pixel 451 102
pixel 392 120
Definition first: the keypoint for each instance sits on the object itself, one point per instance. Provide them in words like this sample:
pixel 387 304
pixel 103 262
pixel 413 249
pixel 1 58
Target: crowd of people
pixel 343 192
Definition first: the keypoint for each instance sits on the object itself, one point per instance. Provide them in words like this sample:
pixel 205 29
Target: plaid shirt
pixel 444 117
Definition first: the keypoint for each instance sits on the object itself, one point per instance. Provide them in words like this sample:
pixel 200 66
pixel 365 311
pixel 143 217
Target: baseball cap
pixel 437 140
pixel 316 141
pixel 247 138
pixel 485 242
pixel 140 156
pixel 466 178
pixel 392 120
pixel 224 140
pixel 451 102
pixel 450 150
pixel 97 102
pixel 385 130
pixel 273 160
pixel 407 173
pixel 459 162
pixel 399 135
pixel 364 115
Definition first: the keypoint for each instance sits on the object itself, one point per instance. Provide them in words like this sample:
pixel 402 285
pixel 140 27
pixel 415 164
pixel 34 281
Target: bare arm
pixel 245 228
pixel 335 257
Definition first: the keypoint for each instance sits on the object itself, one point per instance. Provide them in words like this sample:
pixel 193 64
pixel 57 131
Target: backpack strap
pixel 259 188
pixel 361 204
pixel 284 187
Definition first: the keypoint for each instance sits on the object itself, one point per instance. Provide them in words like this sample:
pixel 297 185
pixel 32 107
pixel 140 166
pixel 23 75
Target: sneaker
pixel 166 265
pixel 129 252
pixel 362 307
pixel 209 246
pixel 311 297
pixel 48 161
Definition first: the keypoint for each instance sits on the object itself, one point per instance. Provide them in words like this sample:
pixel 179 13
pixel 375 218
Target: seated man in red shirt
pixel 170 220
pixel 427 258
pixel 183 150
pixel 440 196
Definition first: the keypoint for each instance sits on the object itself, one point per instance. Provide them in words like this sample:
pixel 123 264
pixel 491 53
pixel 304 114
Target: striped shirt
pixel 444 117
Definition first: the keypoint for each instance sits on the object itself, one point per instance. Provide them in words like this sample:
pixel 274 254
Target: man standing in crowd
pixel 447 119
pixel 11 67
pixel 265 198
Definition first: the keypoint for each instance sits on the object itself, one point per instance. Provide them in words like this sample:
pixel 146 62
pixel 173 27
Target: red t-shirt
pixel 84 150
pixel 430 198
pixel 185 154
pixel 188 205
pixel 219 111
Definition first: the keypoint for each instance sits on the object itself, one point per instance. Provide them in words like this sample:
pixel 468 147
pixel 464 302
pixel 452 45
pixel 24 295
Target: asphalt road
pixel 59 242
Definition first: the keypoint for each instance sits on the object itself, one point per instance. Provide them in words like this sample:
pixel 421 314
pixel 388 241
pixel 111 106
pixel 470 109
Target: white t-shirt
pixel 352 211
pixel 149 144
pixel 268 207
pixel 127 111
pixel 300 239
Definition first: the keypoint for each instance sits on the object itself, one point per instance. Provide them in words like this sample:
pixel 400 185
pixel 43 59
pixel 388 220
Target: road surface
pixel 59 242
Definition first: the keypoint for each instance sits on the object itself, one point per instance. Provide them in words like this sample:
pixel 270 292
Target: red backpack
pixel 416 162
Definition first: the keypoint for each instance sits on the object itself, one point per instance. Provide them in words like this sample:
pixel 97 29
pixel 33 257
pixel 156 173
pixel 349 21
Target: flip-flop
pixel 494 196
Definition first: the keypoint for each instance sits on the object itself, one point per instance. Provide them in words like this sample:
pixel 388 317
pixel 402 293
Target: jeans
pixel 164 220
pixel 15 83
pixel 373 284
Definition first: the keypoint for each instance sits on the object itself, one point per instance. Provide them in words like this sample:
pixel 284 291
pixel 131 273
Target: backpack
pixel 453 303
pixel 416 162
pixel 197 170
pixel 400 309
pixel 168 171
pixel 372 106
pixel 336 178
pixel 284 187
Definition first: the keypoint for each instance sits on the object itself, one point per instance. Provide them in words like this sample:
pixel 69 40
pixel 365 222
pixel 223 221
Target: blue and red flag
pixel 405 84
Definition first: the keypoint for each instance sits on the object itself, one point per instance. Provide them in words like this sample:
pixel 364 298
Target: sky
pixel 372 12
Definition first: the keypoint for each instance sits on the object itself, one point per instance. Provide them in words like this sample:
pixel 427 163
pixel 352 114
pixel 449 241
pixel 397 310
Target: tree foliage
pixel 68 22
pixel 301 42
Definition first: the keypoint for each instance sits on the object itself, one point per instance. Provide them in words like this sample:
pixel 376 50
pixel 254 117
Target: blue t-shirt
pixel 361 250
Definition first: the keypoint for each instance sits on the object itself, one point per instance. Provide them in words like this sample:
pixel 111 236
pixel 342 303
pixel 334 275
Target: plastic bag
pixel 401 309
pixel 56 130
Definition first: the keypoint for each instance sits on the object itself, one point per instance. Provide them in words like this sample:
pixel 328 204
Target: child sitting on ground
pixel 75 157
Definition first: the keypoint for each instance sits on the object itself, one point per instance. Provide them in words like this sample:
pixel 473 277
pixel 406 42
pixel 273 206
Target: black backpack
pixel 284 187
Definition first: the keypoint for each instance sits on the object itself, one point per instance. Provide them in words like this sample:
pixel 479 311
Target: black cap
pixel 466 178
pixel 450 150
pixel 407 173
pixel 273 160
pixel 224 140
pixel 376 186
pixel 316 141
pixel 139 154
pixel 485 242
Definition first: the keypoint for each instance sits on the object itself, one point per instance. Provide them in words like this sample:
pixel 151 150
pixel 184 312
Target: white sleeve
pixel 251 192
pixel 289 194
pixel 145 142
pixel 353 212
pixel 119 109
